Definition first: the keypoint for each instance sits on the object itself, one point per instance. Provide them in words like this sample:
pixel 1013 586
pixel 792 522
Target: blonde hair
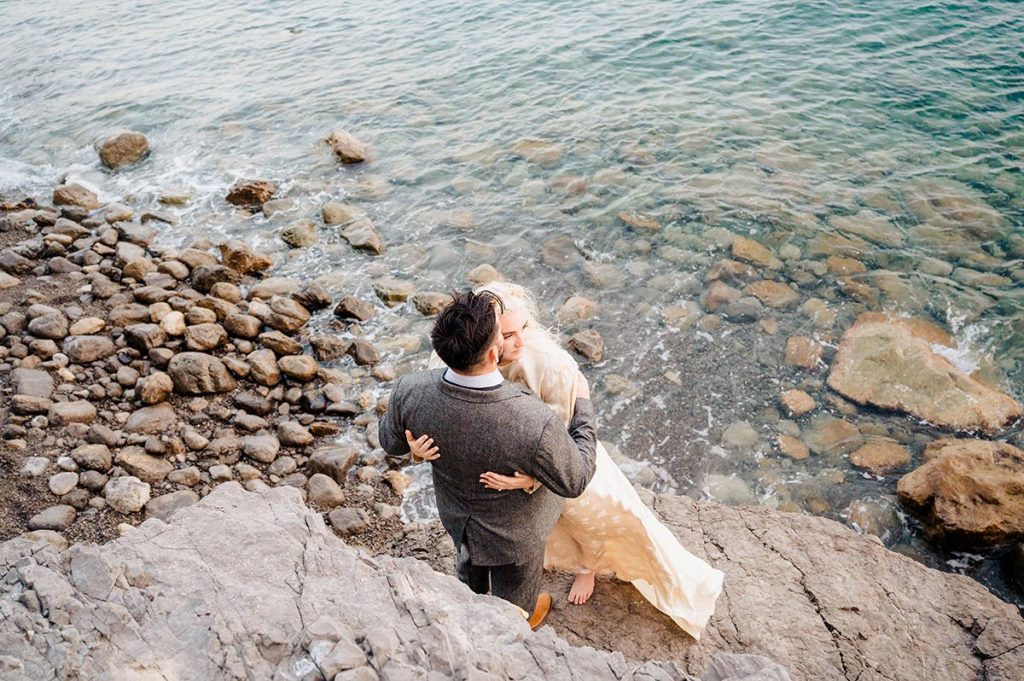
pixel 516 298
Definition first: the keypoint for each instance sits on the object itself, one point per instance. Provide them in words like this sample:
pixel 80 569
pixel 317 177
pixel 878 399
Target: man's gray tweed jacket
pixel 502 429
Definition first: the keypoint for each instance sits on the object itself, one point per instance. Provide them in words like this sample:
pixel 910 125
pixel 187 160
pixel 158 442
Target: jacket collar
pixel 504 391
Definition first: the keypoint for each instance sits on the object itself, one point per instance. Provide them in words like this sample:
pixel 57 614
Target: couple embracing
pixel 521 481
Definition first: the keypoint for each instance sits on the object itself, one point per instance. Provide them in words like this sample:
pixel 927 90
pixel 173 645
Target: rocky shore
pixel 139 379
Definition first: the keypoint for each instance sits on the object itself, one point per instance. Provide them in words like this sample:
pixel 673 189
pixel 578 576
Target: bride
pixel 608 529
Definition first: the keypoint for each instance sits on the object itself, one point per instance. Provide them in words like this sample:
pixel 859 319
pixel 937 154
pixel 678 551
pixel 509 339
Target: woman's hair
pixel 466 329
pixel 515 298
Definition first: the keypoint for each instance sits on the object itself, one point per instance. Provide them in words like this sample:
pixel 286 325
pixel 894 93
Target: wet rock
pixel 280 343
pixel 251 193
pixel 430 303
pixel 792 447
pixel 286 314
pixel 393 291
pixel 292 434
pixel 828 435
pixel 264 369
pixel 560 253
pixel 94 456
pixel 163 507
pixel 797 402
pixel 328 348
pixel 123 149
pixel 879 456
pixel 346 148
pixel 196 373
pixel 242 325
pixel 349 521
pixel 146 467
pixel 363 352
pixel 398 481
pixel 540 151
pixel 968 492
pixel 641 222
pixel 241 258
pixel 576 309
pixel 748 250
pixel 746 309
pixel 878 517
pixel 262 448
pixel 869 225
pixel 300 234
pixel 75 195
pixel 362 235
pixel 55 518
pixel 845 267
pixel 588 343
pixel 741 436
pixel 718 296
pixel 333 461
pixel 204 337
pixel 298 367
pixel 126 494
pixel 173 324
pixel 891 363
pixel 79 411
pixel 313 296
pixel 353 308
pixel 324 492
pixel 803 352
pixel 774 294
pixel 204 277
pixel 682 316
pixel 337 213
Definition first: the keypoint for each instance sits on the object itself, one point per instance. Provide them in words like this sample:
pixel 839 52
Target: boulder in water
pixel 123 149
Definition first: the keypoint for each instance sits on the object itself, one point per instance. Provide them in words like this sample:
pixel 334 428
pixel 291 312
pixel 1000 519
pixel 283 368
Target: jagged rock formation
pixel 254 586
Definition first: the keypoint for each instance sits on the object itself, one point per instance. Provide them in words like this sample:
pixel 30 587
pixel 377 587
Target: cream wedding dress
pixel 609 529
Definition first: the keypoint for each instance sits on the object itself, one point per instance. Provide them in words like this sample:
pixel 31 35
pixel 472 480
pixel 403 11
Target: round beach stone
pixel 792 447
pixel 349 521
pixel 79 411
pixel 803 352
pixel 346 147
pixel 393 291
pixel 354 308
pixel 286 314
pixel 54 518
pixel 203 337
pixel 748 250
pixel 157 418
pixel 324 492
pixel 75 195
pixel 300 234
pixel 126 494
pixel 298 367
pixel 86 349
pixel 264 368
pixel 155 388
pixel 292 434
pixel 588 343
pixel 63 482
pixel 173 323
pixel 242 325
pixel 196 373
pixel 53 326
pixel 87 326
pixel 262 448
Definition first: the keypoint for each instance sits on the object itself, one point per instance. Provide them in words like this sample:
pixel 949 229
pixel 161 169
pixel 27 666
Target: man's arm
pixel 390 430
pixel 566 460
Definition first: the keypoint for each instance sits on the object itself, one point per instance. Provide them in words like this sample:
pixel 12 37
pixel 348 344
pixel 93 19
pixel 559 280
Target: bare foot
pixel 582 588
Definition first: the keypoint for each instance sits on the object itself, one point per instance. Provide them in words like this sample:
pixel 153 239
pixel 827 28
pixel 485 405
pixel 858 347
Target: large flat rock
pixel 247 586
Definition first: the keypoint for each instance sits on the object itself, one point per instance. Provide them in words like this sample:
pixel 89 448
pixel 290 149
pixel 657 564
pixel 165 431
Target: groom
pixel 481 423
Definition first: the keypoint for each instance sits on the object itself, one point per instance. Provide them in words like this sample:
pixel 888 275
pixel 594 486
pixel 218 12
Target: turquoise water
pixel 774 120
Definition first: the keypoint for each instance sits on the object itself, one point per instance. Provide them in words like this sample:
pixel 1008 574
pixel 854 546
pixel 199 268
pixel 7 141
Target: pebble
pixel 54 518
pixel 34 466
pixel 62 483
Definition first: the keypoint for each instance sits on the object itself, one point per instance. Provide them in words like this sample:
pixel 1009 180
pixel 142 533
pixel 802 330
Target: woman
pixel 608 529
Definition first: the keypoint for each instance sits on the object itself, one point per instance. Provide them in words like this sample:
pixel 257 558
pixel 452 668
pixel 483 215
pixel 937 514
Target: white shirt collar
pixel 474 382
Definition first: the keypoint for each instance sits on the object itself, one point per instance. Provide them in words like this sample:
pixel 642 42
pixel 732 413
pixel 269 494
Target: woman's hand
pixel 505 482
pixel 422 447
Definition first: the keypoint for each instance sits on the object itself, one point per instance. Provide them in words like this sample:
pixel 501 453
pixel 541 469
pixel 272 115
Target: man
pixel 481 423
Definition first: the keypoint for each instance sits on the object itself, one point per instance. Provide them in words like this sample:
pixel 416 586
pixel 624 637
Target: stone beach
pixel 198 386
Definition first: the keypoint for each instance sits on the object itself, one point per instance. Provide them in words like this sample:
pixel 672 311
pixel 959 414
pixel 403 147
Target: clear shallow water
pixel 770 119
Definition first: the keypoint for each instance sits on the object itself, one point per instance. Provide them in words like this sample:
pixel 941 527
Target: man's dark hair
pixel 465 329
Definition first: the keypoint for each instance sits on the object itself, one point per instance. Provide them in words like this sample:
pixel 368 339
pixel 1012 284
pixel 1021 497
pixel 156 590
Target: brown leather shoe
pixel 540 611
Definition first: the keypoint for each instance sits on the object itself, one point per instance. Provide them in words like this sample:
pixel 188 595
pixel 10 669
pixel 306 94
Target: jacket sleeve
pixel 391 430
pixel 566 459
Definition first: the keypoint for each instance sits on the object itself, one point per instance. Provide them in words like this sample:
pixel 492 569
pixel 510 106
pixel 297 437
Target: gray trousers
pixel 518 584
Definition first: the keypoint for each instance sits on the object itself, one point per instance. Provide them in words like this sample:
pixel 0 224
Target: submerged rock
pixel 123 149
pixel 346 147
pixel 890 363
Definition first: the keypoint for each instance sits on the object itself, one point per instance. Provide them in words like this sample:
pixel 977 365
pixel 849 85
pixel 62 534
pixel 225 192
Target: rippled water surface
pixel 895 126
